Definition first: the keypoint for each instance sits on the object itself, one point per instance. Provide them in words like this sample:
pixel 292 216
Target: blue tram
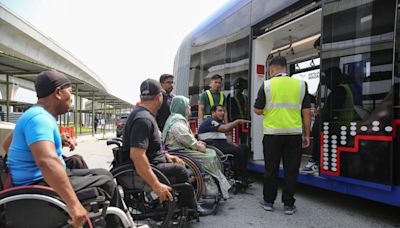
pixel 357 138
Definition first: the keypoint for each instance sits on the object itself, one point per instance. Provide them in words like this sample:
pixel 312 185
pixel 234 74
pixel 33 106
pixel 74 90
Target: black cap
pixel 47 81
pixel 240 83
pixel 150 87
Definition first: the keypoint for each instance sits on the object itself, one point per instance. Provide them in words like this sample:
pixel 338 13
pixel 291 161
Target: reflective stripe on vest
pixel 242 111
pixel 282 113
pixel 211 99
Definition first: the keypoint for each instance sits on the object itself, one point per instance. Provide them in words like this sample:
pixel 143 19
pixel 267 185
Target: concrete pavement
pixel 316 207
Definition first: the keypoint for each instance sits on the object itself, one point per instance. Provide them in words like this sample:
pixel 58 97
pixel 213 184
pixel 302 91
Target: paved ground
pixel 316 207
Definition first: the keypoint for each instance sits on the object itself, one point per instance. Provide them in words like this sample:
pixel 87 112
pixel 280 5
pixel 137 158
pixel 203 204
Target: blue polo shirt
pixel 36 124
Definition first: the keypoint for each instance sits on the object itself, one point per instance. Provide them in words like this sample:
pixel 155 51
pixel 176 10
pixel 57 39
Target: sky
pixel 123 41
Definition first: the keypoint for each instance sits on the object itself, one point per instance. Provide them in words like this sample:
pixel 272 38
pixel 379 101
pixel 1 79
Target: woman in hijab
pixel 177 134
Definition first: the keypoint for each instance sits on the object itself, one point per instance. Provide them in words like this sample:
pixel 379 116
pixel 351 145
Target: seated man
pixel 35 152
pixel 212 130
pixel 142 145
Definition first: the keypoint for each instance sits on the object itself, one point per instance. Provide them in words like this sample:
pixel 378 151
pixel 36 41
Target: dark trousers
pixel 75 161
pixel 287 147
pixel 316 140
pixel 99 178
pixel 177 174
pixel 241 155
pixel 104 182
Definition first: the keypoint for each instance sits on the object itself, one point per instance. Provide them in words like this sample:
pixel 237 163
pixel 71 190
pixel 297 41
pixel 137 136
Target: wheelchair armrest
pixel 226 157
pixel 180 185
pixel 90 196
pixel 117 139
pixel 114 142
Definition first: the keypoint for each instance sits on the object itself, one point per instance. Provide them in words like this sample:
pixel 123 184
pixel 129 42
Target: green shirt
pixel 204 101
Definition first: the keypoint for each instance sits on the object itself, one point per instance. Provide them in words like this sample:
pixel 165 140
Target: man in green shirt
pixel 212 97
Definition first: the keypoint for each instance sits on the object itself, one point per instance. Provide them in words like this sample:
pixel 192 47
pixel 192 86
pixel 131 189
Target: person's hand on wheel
pixel 163 192
pixel 78 216
pixel 174 159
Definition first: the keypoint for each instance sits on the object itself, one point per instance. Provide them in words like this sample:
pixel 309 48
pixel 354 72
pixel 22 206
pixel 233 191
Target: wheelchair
pixel 26 206
pixel 226 161
pixel 141 201
pixel 201 178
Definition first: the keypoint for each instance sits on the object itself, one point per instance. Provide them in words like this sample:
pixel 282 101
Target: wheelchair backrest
pixel 5 176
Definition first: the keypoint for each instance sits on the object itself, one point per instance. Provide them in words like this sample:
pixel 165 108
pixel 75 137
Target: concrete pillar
pixel 114 127
pixel 7 98
pixel 80 115
pixel 93 114
pixel 105 117
pixel 76 122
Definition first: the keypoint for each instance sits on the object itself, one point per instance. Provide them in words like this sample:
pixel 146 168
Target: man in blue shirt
pixel 35 152
pixel 212 131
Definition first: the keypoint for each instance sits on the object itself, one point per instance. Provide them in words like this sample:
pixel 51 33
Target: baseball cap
pixel 150 87
pixel 47 81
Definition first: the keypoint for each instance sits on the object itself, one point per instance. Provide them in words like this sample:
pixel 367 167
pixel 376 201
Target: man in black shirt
pixel 142 144
pixel 285 105
pixel 167 85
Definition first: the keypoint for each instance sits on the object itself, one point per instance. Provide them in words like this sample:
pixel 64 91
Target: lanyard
pixel 281 74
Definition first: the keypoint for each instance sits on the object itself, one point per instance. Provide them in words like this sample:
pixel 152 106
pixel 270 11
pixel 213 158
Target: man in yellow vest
pixel 285 105
pixel 211 97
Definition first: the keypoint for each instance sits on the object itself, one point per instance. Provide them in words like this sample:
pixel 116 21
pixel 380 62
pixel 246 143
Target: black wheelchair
pixel 202 179
pixel 141 201
pixel 40 206
pixel 226 161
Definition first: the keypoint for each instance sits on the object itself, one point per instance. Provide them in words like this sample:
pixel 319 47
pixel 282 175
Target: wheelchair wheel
pixel 219 155
pixel 225 165
pixel 195 174
pixel 141 201
pixel 39 205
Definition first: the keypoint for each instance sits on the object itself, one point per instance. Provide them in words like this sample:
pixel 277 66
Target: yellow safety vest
pixel 242 111
pixel 211 100
pixel 283 100
pixel 347 114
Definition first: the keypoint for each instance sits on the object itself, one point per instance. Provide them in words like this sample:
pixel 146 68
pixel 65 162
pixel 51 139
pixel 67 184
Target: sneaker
pixel 311 167
pixel 290 210
pixel 267 206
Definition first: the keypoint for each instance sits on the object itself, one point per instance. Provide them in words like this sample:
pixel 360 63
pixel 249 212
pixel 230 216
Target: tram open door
pixel 353 78
pixel 291 37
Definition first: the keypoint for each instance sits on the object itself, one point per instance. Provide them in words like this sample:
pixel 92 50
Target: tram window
pixel 357 56
pixel 307 72
pixel 311 78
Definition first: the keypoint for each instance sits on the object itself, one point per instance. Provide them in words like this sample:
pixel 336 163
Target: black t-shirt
pixel 260 101
pixel 164 112
pixel 141 131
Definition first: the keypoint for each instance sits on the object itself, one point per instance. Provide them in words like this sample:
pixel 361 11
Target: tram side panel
pixel 357 114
